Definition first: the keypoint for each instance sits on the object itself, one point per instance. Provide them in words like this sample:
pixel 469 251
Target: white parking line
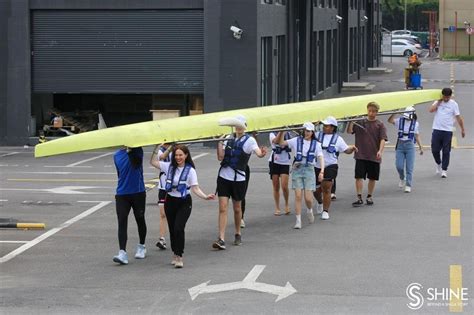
pixel 51 232
pixel 14 242
pixel 199 155
pixel 91 159
pixel 8 154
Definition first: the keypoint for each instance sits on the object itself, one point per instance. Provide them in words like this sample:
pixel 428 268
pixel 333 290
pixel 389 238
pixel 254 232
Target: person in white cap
pixel 307 150
pixel 408 136
pixel 234 155
pixel 332 144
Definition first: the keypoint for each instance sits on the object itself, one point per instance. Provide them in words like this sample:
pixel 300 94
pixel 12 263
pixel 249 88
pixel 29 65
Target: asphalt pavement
pixel 361 261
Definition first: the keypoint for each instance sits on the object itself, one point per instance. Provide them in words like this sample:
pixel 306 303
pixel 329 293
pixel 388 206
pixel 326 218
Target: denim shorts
pixel 303 177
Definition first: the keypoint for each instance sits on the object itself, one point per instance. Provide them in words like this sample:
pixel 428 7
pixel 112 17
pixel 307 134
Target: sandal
pixel 277 213
pixel 358 203
pixel 287 211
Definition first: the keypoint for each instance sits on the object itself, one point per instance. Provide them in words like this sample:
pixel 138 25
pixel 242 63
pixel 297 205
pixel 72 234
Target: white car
pixel 403 33
pixel 402 47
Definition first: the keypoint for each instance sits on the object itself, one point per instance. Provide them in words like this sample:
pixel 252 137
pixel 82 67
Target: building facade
pixel 126 58
pixel 455 16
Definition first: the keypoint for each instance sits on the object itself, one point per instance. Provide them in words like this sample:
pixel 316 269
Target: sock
pixel 309 210
pixel 359 196
pixel 298 218
pixel 369 196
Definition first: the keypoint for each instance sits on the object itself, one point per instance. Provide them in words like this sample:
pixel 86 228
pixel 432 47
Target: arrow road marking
pixel 65 190
pixel 248 283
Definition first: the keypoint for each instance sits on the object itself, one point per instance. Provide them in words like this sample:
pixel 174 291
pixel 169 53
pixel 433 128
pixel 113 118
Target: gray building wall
pixel 232 68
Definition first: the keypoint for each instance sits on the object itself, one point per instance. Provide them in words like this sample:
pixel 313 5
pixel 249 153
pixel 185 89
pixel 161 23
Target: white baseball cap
pixel 410 110
pixel 330 120
pixel 242 120
pixel 308 126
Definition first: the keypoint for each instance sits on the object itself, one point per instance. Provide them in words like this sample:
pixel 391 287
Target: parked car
pixel 413 41
pixel 402 47
pixel 403 33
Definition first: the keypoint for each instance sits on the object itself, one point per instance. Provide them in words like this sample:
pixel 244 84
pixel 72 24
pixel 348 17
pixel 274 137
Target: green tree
pixel 393 14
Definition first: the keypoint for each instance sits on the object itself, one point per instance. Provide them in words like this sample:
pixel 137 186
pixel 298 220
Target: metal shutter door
pixel 118 51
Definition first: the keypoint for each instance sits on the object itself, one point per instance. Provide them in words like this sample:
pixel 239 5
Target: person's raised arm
pixel 280 140
pixel 153 160
pixel 350 127
pixel 434 106
pixel 391 119
pixel 220 150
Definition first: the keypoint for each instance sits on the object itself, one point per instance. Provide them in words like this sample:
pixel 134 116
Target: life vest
pixel 309 155
pixel 411 129
pixel 182 186
pixel 168 158
pixel 235 157
pixel 278 149
pixel 331 148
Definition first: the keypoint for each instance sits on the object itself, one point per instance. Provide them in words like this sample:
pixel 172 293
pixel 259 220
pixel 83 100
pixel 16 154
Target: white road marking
pixel 59 166
pixel 14 242
pixel 3 199
pixel 8 154
pixel 248 283
pixel 91 159
pixel 77 173
pixel 51 232
pixel 64 190
pixel 199 155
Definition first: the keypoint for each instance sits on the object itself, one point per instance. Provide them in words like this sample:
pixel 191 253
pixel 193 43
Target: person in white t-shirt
pixel 332 144
pixel 307 150
pixel 408 136
pixel 446 111
pixel 181 178
pixel 234 155
pixel 279 165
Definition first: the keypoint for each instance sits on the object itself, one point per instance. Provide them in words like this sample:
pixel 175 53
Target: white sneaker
pixel 333 196
pixel 242 224
pixel 173 261
pixel 121 258
pixel 401 183
pixel 444 174
pixel 407 189
pixel 141 251
pixel 325 215
pixel 438 169
pixel 179 262
pixel 297 225
pixel 310 216
pixel 319 208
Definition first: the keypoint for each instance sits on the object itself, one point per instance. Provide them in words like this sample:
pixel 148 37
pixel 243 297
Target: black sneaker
pixel 358 203
pixel 161 244
pixel 219 244
pixel 238 240
pixel 369 201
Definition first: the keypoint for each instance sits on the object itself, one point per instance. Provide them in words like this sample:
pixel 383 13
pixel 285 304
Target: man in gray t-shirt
pixel 370 136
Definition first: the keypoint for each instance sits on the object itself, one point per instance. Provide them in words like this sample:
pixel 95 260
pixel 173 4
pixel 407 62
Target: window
pixel 281 70
pixel 329 58
pixel 267 1
pixel 314 63
pixel 320 68
pixel 266 71
pixel 334 58
pixel 280 2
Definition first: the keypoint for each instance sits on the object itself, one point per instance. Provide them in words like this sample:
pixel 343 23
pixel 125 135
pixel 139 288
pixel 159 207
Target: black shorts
pixel 367 169
pixel 161 196
pixel 330 173
pixel 231 189
pixel 278 169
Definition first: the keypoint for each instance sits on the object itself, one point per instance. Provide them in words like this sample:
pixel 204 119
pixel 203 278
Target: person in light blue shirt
pixel 130 194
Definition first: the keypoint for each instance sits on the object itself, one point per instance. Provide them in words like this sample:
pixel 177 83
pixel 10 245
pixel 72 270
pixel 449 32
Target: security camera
pixel 365 18
pixel 237 32
pixel 339 19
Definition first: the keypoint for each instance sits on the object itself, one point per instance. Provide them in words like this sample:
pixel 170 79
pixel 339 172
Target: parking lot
pixel 360 261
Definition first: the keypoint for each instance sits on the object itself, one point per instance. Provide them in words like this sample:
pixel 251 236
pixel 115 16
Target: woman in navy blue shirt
pixel 130 195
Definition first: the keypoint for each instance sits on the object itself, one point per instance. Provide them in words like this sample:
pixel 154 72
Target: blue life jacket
pixel 168 158
pixel 411 129
pixel 278 149
pixel 309 155
pixel 235 157
pixel 182 186
pixel 331 148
